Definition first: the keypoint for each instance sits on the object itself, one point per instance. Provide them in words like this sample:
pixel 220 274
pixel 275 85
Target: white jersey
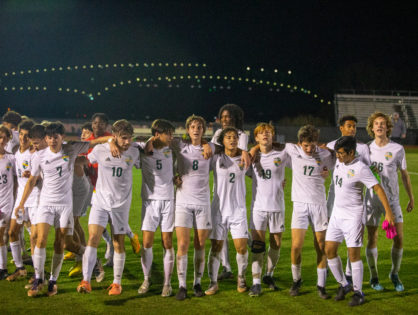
pixel 349 180
pixel 12 142
pixel 242 139
pixel 362 151
pixel 194 171
pixel 23 164
pixel 229 186
pixel 307 182
pixel 58 171
pixel 114 183
pixel 267 173
pixel 387 161
pixel 7 173
pixel 157 174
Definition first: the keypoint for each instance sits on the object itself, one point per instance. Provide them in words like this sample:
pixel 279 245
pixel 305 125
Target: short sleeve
pixel 35 164
pixel 367 177
pixel 176 145
pixel 401 160
pixel 216 136
pixel 93 156
pixel 137 160
pixel 243 141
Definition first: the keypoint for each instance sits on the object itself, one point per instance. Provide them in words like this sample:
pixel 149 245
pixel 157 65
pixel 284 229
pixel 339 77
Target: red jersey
pixel 93 168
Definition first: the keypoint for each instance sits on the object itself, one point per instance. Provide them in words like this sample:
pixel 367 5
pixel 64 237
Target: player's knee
pixel 13 235
pixel 258 247
pixel 167 243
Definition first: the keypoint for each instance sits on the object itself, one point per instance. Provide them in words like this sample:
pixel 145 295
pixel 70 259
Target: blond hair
pixel 261 127
pixel 371 120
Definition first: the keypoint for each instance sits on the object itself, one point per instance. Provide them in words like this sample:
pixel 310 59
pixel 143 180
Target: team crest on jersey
pixel 25 164
pixel 356 154
pixel 277 161
pixel 66 158
pixel 388 156
pixel 128 160
pixel 8 166
pixel 240 165
pixel 167 152
pixel 318 161
pixel 350 173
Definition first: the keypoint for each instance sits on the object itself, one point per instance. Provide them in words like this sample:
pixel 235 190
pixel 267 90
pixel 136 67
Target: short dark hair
pixel 237 115
pixel 308 133
pixel 12 117
pixel 26 124
pixel 37 132
pixel 7 131
pixel 348 143
pixel 162 126
pixel 122 126
pixel 101 116
pixel 87 126
pixel 224 132
pixel 345 118
pixel 193 118
pixel 55 128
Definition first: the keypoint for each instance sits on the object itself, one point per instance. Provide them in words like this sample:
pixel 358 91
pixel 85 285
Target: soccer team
pixel 47 183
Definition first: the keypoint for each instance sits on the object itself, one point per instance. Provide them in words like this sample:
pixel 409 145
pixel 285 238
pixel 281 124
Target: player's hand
pixel 114 148
pixel 207 151
pixel 325 172
pixel 410 206
pixel 26 174
pixel 253 152
pixel 177 181
pixel 149 146
pixel 245 159
pixel 284 183
pixel 390 218
pixel 19 208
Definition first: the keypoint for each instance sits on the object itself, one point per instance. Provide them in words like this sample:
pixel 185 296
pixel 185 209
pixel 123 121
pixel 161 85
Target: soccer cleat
pixel 294 289
pixel 109 263
pixel 181 294
pixel 197 289
pixel 349 279
pixel 18 274
pixel 396 282
pixel 322 293
pixel 357 299
pixel 84 287
pixel 76 270
pixel 52 288
pixel 36 288
pixel 225 275
pixel 144 288
pixel 342 291
pixel 374 283
pixel 213 288
pixel 98 271
pixel 30 281
pixel 268 280
pixel 136 245
pixel 241 285
pixel 167 290
pixel 69 256
pixel 255 290
pixel 115 289
pixel 28 261
pixel 3 274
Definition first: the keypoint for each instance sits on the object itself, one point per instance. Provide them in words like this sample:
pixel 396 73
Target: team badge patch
pixel 66 158
pixel 318 161
pixel 128 160
pixel 350 173
pixel 388 156
pixel 277 161
pixel 8 166
pixel 25 164
pixel 167 152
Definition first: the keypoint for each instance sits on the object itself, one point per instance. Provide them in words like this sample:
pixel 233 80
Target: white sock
pixel 371 255
pixel 106 236
pixel 224 255
pixel 242 262
pixel 348 267
pixel 182 270
pixel 257 267
pixel 396 260
pixel 129 232
pixel 56 265
pixel 3 257
pixel 336 267
pixel 199 265
pixel 16 254
pixel 213 265
pixel 39 256
pixel 322 277
pixel 146 262
pixel 118 265
pixel 168 260
pixel 296 272
pixel 89 260
pixel 357 268
pixel 273 256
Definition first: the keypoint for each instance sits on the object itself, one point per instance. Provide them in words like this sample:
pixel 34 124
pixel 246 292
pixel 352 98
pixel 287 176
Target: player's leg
pixel 118 264
pixel 357 269
pixel 225 262
pixel 336 267
pixel 298 238
pixel 183 243
pixel 214 262
pixel 73 244
pixel 258 249
pixel 15 246
pixel 321 263
pixel 371 255
pixel 242 262
pixel 167 228
pixel 3 254
pixel 134 239
pixel 147 257
pixel 109 248
pixel 396 253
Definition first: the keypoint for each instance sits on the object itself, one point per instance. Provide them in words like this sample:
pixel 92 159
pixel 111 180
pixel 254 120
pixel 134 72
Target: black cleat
pixel 294 290
pixel 3 274
pixel 181 294
pixel 342 291
pixel 225 275
pixel 268 280
pixel 197 289
pixel 357 299
pixel 255 290
pixel 349 279
pixel 322 293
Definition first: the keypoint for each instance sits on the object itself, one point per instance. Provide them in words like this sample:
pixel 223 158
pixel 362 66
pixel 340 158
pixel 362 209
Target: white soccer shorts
pixel 308 213
pixel 57 216
pixel 118 219
pixel 193 216
pixel 350 230
pixel 375 210
pixel 261 220
pixel 158 213
pixel 221 225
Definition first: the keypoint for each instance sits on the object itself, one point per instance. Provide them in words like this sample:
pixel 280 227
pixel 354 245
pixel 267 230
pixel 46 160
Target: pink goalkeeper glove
pixel 390 229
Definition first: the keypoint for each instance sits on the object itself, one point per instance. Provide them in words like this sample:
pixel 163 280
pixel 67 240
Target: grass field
pixel 228 300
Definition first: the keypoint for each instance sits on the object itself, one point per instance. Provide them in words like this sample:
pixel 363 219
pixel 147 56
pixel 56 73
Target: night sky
pixel 327 46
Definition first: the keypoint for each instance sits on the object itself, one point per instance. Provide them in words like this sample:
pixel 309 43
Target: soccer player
pixel 229 211
pixel 348 127
pixel 11 120
pixel 86 131
pixel 387 157
pixel 157 195
pixel 23 160
pixel 310 165
pixel 7 186
pixel 230 115
pixel 347 219
pixel 267 207
pixel 55 202
pixel 111 202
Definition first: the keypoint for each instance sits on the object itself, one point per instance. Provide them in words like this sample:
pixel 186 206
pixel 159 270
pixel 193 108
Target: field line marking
pixel 413 173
